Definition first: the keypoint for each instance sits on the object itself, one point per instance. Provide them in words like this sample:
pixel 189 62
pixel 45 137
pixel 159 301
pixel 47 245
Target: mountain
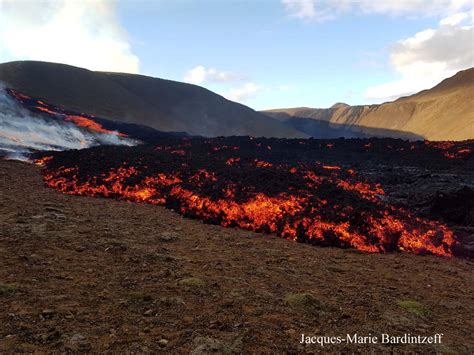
pixel 444 112
pixel 161 104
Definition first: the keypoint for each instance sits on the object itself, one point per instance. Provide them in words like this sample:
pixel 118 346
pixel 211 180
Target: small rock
pixel 53 209
pixel 58 215
pixel 34 257
pixel 47 313
pixel 148 313
pixel 51 336
pixel 163 343
pixel 69 316
pixel 171 301
pixel 205 345
pixel 168 237
pixel 77 342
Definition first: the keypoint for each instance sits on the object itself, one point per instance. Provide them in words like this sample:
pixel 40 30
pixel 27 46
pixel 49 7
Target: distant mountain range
pixel 445 112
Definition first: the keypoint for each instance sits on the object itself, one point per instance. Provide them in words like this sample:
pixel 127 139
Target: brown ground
pixel 82 273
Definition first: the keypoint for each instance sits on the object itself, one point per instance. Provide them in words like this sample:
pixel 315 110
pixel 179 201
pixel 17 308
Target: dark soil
pixel 93 274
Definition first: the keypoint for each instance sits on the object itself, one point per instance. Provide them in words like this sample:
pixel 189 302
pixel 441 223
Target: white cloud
pixel 83 33
pixel 200 75
pixel 300 8
pixel 455 19
pixel 323 10
pixel 428 57
pixel 411 7
pixel 309 10
pixel 251 90
pixel 420 61
pixel 244 92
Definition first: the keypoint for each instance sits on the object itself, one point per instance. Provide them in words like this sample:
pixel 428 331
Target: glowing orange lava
pixel 319 205
pixel 80 121
pixel 88 123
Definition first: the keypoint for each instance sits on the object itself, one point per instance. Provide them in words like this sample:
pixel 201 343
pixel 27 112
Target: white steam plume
pixel 22 131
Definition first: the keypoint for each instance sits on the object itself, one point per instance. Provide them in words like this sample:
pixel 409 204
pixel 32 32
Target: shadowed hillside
pixel 444 112
pixel 162 104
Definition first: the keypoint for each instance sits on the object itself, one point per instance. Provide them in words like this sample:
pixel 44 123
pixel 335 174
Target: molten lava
pixel 88 123
pixel 42 161
pixel 85 121
pixel 261 189
pixel 306 190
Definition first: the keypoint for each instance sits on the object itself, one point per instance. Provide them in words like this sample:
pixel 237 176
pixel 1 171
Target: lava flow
pixel 263 185
pixel 82 120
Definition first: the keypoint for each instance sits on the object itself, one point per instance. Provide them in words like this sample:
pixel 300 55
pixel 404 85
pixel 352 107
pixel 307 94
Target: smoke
pixel 66 31
pixel 22 132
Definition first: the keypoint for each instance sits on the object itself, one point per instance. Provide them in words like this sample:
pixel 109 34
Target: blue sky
pixel 263 53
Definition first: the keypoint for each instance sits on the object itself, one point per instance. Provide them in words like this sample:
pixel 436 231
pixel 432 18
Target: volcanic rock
pixel 168 236
pixel 456 206
pixel 206 345
pixel 77 342
pixel 48 313
pixel 163 342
